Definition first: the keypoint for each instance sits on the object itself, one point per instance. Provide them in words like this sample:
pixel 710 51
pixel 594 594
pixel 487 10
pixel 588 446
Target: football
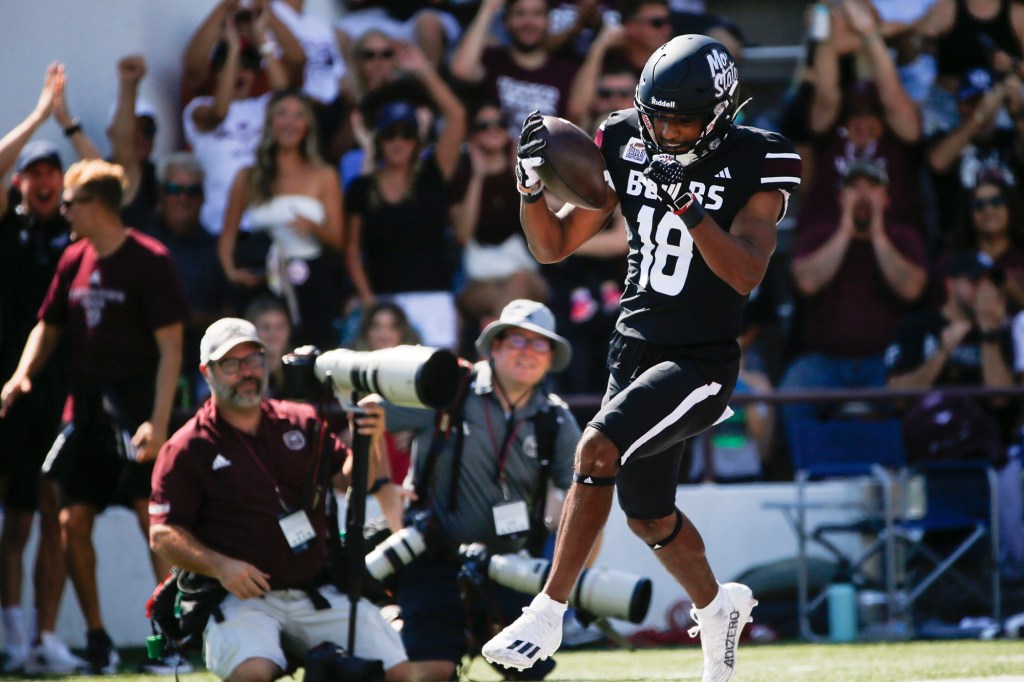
pixel 573 168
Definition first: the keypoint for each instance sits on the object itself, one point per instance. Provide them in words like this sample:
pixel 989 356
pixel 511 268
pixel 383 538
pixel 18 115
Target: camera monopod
pixel 355 519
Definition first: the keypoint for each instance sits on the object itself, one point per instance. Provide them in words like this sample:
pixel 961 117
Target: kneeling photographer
pixel 234 499
pixel 482 469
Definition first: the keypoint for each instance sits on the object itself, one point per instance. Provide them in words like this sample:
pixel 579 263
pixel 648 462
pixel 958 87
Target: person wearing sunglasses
pixel 177 224
pixel 497 263
pixel 482 481
pixel 992 223
pixel 117 298
pixel 398 242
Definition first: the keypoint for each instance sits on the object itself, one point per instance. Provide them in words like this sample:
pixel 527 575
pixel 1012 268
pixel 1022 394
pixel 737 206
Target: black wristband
pixel 75 127
pixel 693 214
pixel 534 197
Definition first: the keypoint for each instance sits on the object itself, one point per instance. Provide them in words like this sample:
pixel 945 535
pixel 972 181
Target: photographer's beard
pixel 244 392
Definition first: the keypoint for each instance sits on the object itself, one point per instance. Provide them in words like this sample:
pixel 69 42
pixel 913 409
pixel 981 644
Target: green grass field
pixel 959 660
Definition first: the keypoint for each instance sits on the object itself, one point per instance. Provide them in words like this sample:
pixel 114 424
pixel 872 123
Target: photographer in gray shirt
pixel 482 469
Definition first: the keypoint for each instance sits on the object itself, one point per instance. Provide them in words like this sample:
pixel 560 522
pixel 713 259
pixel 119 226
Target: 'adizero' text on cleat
pixel 720 633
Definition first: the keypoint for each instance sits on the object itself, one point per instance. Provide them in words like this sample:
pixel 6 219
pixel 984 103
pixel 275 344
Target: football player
pixel 701 196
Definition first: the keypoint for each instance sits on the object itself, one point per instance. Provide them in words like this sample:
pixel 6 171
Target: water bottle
pixel 842 612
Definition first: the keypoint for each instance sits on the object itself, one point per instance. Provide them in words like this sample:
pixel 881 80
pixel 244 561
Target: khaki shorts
pixel 257 628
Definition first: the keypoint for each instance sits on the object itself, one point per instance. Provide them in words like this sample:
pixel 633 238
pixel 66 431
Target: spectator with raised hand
pixel 968 34
pixel 132 132
pixel 979 145
pixel 33 234
pixel 117 298
pixel 869 120
pixel 497 262
pixel 293 195
pixel 584 93
pixel 397 215
pixel 200 68
pixel 224 130
pixel 424 24
pixel 521 76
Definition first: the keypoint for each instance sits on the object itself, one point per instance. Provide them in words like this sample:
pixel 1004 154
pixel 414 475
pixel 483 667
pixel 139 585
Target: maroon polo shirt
pixel 219 484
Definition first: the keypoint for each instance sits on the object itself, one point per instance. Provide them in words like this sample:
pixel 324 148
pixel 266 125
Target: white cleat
pixel 720 634
pixel 532 637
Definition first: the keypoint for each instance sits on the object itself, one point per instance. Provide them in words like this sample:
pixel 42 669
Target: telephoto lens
pixel 600 591
pixel 400 548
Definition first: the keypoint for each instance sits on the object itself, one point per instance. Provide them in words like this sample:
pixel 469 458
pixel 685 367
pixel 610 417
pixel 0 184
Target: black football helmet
pixel 690 76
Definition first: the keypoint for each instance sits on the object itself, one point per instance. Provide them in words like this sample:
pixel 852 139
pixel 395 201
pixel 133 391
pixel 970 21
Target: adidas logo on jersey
pixel 724 174
pixel 220 461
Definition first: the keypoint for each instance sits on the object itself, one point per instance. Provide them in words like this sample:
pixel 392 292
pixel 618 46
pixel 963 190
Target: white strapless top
pixel 275 215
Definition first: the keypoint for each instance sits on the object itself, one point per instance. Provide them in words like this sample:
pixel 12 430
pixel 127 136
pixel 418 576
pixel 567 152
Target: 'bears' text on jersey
pixel 671 296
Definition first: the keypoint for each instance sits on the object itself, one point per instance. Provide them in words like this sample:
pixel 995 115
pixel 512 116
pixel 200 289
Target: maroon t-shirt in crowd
pixel 110 307
pixel 832 156
pixel 219 484
pixel 520 91
pixel 856 314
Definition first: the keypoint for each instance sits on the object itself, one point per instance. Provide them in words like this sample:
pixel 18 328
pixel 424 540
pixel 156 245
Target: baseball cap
pixel 866 168
pixel 396 112
pixel 534 317
pixel 974 265
pixel 36 151
pixel 974 83
pixel 225 334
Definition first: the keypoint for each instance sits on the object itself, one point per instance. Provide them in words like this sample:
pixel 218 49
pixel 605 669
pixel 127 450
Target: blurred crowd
pixel 351 184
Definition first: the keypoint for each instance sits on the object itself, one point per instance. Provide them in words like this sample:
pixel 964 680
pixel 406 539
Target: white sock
pixel 548 607
pixel 714 606
pixel 14 626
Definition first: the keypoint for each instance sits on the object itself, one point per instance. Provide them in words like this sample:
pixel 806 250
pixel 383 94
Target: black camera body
pixel 328 662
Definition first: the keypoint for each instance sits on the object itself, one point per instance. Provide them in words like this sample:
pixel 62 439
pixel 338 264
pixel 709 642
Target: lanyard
pixel 259 462
pixel 511 427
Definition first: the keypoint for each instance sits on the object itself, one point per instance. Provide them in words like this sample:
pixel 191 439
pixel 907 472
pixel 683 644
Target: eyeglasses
pixel 487 124
pixel 615 92
pixel 402 130
pixel 230 366
pixel 367 55
pixel 979 204
pixel 193 189
pixel 520 342
pixel 653 22
pixel 68 204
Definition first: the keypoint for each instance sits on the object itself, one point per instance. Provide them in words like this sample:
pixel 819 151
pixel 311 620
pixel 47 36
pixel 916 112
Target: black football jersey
pixel 671 297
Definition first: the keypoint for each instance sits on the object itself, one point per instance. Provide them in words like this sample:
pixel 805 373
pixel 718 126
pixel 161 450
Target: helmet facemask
pixel 718 121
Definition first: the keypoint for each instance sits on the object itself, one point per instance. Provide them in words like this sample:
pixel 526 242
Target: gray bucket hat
pixel 534 317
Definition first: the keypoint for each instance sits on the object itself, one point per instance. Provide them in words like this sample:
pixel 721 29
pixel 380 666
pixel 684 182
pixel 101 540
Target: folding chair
pixel 846 447
pixel 960 495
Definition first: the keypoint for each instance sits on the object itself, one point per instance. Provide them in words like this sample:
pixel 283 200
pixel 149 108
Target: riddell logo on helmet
pixel 662 103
